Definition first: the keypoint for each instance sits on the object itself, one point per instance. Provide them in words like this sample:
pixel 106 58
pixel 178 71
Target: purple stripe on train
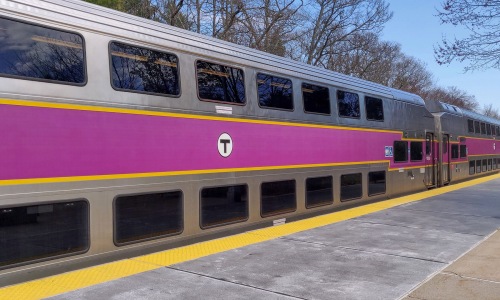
pixel 41 142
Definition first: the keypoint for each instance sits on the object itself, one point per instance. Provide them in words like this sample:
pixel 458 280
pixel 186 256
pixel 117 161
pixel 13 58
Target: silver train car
pixel 123 136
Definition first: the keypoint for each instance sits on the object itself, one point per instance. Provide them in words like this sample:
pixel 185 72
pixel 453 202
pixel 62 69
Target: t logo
pixel 225 145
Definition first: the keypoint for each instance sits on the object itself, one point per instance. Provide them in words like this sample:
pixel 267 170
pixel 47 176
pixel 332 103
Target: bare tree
pixel 482 47
pixel 453 95
pixel 490 111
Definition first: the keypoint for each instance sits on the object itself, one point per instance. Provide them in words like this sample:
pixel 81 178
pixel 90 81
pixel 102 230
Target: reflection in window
pixel 348 104
pixel 490 162
pixel 376 182
pixel 485 165
pixel 477 127
pixel 351 187
pixel 472 167
pixel 42 231
pixel 374 109
pixel 277 197
pixel 416 152
pixel 316 99
pixel 147 216
pixel 224 205
pixel 400 151
pixel 478 166
pixel 454 151
pixel 488 129
pixel 144 70
pixel 470 125
pixel 220 83
pixel 275 92
pixel 483 128
pixel 319 191
pixel 41 53
pixel 463 151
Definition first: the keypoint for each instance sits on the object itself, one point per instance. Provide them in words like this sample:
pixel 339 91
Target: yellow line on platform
pixel 63 283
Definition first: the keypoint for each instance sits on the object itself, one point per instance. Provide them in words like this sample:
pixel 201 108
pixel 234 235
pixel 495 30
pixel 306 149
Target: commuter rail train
pixel 123 136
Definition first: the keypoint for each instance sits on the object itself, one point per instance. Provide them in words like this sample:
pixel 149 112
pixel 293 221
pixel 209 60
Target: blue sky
pixel 417 29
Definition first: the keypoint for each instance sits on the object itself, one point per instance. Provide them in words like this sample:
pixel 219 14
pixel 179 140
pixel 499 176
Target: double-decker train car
pixel 124 136
pixel 468 142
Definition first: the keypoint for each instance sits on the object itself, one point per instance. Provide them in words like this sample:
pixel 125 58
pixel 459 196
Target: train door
pixel 445 158
pixel 430 161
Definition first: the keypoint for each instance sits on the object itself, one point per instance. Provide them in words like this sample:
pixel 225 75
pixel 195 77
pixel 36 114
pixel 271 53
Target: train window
pixel 374 109
pixel 498 130
pixel 275 92
pixel 376 183
pixel 34 52
pixel 463 151
pixel 277 197
pixel 147 216
pixel 348 104
pixel 483 128
pixel 400 151
pixel 470 125
pixel 319 191
pixel 143 70
pixel 416 153
pixel 316 99
pixel 220 83
pixel 351 186
pixel 490 162
pixel 454 151
pixel 485 165
pixel 472 167
pixel 477 127
pixel 224 205
pixel 488 129
pixel 494 164
pixel 478 166
pixel 43 231
pixel 493 130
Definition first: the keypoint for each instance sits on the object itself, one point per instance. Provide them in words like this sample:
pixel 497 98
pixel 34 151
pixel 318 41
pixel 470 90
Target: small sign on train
pixel 389 151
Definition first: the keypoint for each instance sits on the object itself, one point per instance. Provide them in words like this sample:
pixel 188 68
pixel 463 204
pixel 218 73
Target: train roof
pixel 110 22
pixel 438 106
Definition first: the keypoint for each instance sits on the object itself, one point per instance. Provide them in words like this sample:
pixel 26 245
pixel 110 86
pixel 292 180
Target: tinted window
pixel 454 151
pixel 472 167
pixel 463 151
pixel 493 130
pixel 147 216
pixel 351 187
pixel 275 92
pixel 374 109
pixel 494 166
pixel 478 166
pixel 41 53
pixel 278 197
pixel 470 125
pixel 488 129
pixel 400 151
pixel 490 162
pixel 224 205
pixel 483 128
pixel 348 104
pixel 316 99
pixel 376 183
pixel 220 83
pixel 416 153
pixel 144 70
pixel 319 191
pixel 484 165
pixel 477 127
pixel 43 231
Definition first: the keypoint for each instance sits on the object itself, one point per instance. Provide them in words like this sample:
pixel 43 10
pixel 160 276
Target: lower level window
pixel 278 197
pixel 494 166
pixel 351 187
pixel 319 191
pixel 472 167
pixel 478 166
pixel 490 162
pixel 224 205
pixel 485 165
pixel 376 183
pixel 147 216
pixel 36 232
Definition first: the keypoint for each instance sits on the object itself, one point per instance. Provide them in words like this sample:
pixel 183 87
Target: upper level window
pixel 143 70
pixel 374 109
pixel 470 125
pixel 483 128
pixel 275 92
pixel 220 83
pixel 493 130
pixel 488 129
pixel 316 99
pixel 348 104
pixel 477 127
pixel 40 53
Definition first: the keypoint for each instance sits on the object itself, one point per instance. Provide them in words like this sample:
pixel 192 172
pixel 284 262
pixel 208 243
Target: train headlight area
pixel 444 247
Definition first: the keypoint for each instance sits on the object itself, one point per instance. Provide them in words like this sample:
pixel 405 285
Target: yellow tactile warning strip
pixel 71 281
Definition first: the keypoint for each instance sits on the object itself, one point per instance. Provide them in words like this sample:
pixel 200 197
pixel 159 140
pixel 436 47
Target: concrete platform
pixel 383 255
